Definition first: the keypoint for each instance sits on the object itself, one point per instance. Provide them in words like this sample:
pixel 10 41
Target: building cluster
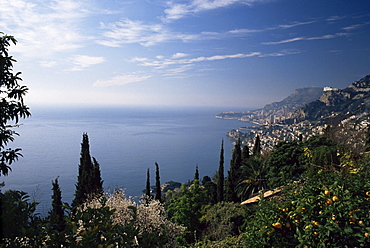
pixel 263 117
pixel 271 134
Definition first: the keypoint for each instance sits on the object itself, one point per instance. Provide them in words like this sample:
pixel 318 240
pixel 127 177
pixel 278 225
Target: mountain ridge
pixel 335 105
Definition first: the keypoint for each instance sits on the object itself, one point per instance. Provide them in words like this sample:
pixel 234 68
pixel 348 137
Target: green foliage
pixel 12 107
pixel 289 160
pixel 88 227
pixel 283 164
pixel 245 153
pixel 196 175
pixel 186 209
pixel 253 177
pixel 229 242
pixel 18 217
pixel 211 189
pixel 158 190
pixel 56 214
pixel 367 140
pixel 221 176
pixel 330 209
pixel 147 188
pixel 94 226
pixel 89 182
pixel 233 174
pixel 257 146
pixel 223 219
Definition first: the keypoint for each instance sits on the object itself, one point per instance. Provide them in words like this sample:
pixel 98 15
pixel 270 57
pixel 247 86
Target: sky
pixel 216 53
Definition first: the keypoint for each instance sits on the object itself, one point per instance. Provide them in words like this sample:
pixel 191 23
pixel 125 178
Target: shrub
pixel 330 209
pixel 223 219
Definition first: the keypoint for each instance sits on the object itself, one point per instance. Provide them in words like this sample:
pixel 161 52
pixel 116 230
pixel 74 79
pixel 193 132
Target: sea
pixel 126 141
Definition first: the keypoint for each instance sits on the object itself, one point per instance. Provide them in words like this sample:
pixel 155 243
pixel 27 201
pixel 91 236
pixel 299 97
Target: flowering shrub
pixel 149 221
pixel 330 209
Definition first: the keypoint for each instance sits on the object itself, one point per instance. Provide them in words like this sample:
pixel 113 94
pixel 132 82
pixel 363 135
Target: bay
pixel 124 140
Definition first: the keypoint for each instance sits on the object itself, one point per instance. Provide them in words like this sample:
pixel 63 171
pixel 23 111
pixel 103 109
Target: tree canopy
pixel 89 180
pixel 12 106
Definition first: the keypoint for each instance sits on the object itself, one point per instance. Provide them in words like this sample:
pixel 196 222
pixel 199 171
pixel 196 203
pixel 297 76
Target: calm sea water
pixel 125 141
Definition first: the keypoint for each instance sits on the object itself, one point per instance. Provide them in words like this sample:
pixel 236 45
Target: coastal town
pixel 342 115
pixel 272 129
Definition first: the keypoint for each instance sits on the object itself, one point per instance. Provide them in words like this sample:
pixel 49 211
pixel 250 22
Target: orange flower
pixel 328 202
pixel 277 225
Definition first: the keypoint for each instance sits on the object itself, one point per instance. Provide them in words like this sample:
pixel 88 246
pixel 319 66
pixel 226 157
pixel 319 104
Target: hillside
pixel 281 109
pixel 335 105
pixel 299 98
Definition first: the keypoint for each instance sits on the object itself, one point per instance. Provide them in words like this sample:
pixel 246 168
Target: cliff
pixel 335 105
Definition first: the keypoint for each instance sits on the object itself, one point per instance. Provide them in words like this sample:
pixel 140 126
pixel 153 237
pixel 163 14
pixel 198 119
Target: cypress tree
pixel 97 182
pixel 233 174
pixel 245 152
pixel 157 183
pixel 300 138
pixel 257 146
pixel 56 214
pixel 220 174
pixel 147 189
pixel 367 140
pixel 196 175
pixel 89 180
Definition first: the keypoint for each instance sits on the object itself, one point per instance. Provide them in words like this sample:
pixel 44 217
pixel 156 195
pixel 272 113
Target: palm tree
pixel 253 177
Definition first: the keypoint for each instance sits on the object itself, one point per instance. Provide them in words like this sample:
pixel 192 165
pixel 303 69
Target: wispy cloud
pixel 83 61
pixel 283 41
pixel 281 53
pixel 180 67
pixel 128 31
pixel 122 80
pixel 295 24
pixel 179 72
pixel 355 26
pixel 163 63
pixel 178 10
pixel 136 32
pixel 43 28
pixel 334 18
pixel 179 55
pixel 322 37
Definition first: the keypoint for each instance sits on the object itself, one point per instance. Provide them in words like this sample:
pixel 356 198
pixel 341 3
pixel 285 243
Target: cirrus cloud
pixel 121 80
pixel 83 61
pixel 178 10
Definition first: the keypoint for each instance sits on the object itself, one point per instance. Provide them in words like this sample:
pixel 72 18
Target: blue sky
pixel 226 53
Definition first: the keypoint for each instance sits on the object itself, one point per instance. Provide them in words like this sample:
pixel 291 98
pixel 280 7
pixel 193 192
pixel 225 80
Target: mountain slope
pixel 299 98
pixel 335 105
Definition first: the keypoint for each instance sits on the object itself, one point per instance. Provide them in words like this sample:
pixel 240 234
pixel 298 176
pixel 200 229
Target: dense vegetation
pixel 323 199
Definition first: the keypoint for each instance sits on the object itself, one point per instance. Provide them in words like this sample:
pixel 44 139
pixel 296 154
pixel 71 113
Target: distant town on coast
pixel 305 113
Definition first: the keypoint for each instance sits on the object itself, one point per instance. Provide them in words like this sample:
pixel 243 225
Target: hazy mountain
pixel 299 98
pixel 334 104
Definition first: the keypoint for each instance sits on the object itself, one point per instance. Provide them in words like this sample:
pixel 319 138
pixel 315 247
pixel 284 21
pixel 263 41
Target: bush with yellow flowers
pixel 329 209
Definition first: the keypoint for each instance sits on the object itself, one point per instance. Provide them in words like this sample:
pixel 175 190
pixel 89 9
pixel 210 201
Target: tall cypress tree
pixel 220 175
pixel 147 189
pixel 157 183
pixel 56 214
pixel 257 146
pixel 97 182
pixel 89 178
pixel 196 175
pixel 245 152
pixel 233 174
pixel 367 140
